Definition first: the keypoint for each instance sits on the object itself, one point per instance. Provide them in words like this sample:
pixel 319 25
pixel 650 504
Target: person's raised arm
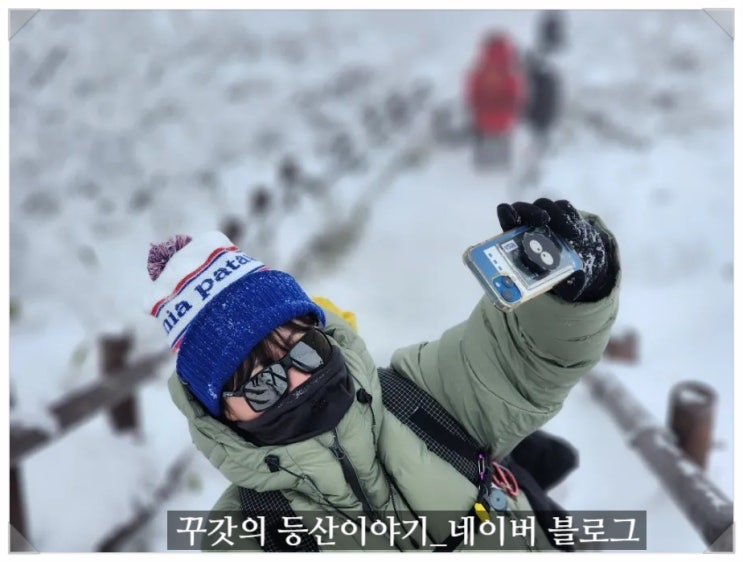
pixel 503 375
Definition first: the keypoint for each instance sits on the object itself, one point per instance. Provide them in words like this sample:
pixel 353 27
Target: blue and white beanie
pixel 215 304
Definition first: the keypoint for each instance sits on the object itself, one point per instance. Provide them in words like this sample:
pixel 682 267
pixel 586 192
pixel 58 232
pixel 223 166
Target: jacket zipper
pixel 349 474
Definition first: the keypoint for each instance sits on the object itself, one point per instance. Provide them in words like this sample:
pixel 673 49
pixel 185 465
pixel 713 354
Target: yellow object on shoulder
pixel 482 512
pixel 327 304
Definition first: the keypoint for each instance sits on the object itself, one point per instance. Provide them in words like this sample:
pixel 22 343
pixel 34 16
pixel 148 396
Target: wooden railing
pixel 115 393
pixel 677 455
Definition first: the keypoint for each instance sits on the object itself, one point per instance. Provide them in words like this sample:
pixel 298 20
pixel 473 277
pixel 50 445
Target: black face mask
pixel 314 407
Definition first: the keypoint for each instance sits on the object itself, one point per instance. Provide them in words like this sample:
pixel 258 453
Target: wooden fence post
pixel 17 506
pixel 705 506
pixel 113 394
pixel 232 228
pixel 623 348
pixel 114 354
pixel 18 518
pixel 690 419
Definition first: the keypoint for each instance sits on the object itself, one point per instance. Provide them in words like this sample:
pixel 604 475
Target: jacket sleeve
pixel 504 375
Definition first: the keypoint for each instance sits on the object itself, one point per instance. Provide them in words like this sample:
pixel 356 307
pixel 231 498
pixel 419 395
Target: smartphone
pixel 521 264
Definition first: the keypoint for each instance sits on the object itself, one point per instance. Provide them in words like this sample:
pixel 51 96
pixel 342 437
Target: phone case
pixel 521 264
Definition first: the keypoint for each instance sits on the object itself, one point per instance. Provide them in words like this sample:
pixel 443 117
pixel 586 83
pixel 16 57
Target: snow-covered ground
pixel 127 127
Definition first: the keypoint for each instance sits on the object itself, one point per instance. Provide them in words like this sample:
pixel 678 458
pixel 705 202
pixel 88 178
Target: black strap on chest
pixel 442 434
pixel 416 409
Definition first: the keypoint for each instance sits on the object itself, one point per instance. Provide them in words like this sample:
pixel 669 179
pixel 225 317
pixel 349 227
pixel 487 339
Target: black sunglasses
pixel 269 385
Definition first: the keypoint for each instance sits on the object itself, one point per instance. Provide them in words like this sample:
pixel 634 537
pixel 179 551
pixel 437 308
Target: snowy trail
pixel 79 188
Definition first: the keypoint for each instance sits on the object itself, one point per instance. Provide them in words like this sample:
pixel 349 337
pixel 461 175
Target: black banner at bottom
pixel 578 530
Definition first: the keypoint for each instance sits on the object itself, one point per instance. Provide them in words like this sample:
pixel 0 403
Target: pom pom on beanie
pixel 161 253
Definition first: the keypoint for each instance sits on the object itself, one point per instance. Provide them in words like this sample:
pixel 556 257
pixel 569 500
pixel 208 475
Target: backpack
pixel 445 437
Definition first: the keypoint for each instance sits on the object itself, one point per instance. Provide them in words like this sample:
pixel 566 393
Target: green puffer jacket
pixel 502 376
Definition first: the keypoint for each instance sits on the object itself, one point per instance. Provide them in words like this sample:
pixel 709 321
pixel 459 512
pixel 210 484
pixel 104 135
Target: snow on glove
pixel 595 280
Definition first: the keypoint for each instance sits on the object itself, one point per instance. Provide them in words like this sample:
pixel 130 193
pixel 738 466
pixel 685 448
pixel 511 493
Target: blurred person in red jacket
pixel 495 93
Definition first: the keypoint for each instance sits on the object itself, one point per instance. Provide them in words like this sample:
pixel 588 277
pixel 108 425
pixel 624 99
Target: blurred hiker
pixel 495 92
pixel 281 395
pixel 543 99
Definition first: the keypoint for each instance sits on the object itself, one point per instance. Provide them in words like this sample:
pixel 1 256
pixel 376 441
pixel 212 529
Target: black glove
pixel 596 279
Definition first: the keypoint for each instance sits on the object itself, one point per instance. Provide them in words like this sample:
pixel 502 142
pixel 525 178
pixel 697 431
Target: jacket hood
pixel 497 49
pixel 242 462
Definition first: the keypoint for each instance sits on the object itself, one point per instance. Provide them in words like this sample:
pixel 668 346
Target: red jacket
pixel 496 87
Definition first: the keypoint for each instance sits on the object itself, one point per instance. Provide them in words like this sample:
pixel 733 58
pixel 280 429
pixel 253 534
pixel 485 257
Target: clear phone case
pixel 521 264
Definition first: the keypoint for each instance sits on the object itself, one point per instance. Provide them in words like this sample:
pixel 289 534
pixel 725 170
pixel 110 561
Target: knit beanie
pixel 215 304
